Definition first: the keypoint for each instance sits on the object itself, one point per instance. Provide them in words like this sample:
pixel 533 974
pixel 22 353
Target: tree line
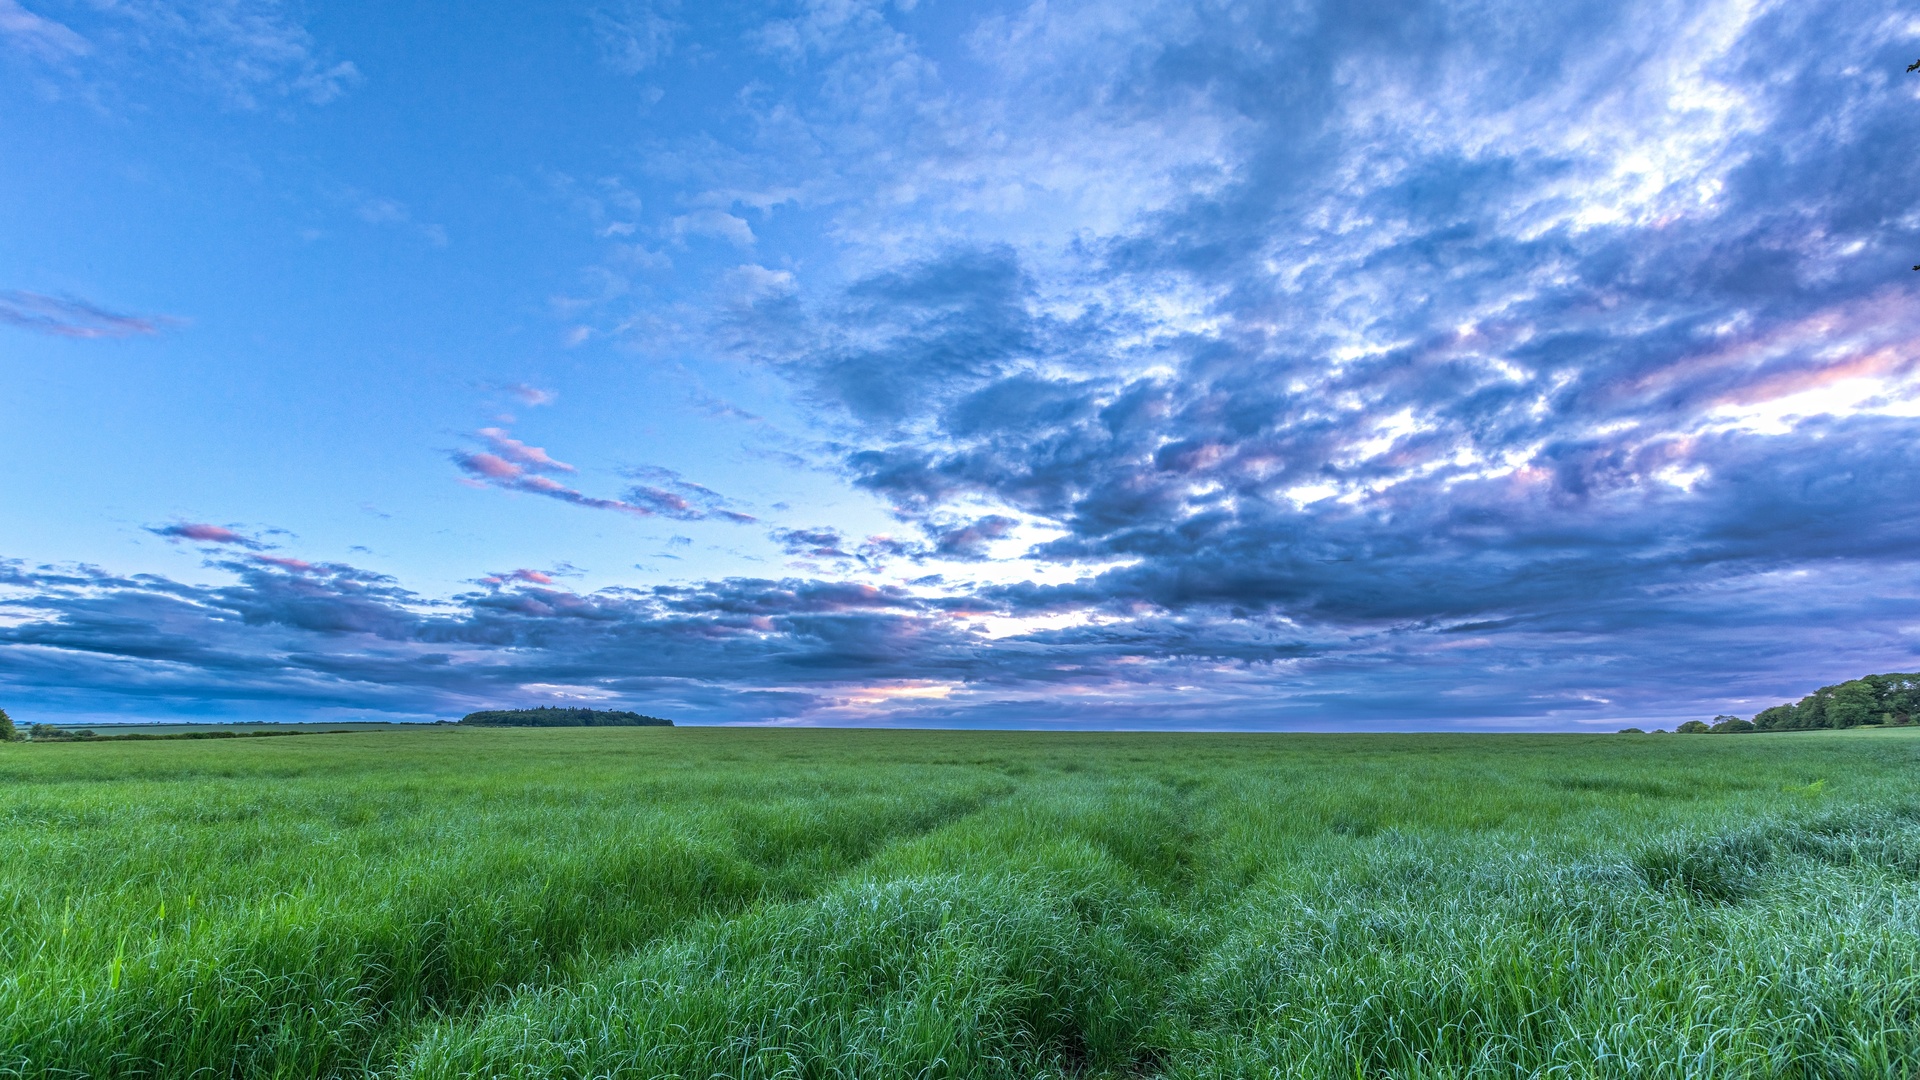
pixel 549 716
pixel 1892 699
pixel 1871 699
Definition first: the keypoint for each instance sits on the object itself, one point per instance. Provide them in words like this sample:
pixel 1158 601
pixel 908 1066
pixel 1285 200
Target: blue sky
pixel 1481 365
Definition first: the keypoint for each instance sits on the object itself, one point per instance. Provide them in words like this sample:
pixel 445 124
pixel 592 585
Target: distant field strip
pixel 700 903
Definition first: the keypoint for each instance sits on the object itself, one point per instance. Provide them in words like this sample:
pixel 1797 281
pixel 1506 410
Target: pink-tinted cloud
pixel 1781 384
pixel 529 457
pixel 493 470
pixel 67 317
pixel 298 566
pixel 487 466
pixel 205 534
pixel 511 464
pixel 1874 335
pixel 522 575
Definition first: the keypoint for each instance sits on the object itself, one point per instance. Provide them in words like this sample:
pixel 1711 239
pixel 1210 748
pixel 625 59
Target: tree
pixel 1631 731
pixel 1899 696
pixel 1853 704
pixel 44 731
pixel 1693 727
pixel 1730 725
pixel 8 732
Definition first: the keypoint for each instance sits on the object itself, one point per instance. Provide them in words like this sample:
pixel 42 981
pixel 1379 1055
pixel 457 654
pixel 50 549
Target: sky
pixel 1402 365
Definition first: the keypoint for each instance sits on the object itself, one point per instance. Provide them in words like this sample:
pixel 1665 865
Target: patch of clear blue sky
pixel 354 280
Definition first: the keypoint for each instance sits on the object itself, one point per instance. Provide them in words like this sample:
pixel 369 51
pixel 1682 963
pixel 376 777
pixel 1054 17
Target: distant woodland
pixel 1892 699
pixel 1871 699
pixel 552 717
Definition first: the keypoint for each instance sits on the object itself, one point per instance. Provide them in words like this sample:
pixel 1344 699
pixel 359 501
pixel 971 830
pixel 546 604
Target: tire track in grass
pixel 289 989
pixel 1031 937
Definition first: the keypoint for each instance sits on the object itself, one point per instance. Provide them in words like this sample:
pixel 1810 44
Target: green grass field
pixel 750 903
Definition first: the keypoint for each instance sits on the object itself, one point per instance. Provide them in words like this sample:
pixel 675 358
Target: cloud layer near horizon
pixel 1430 363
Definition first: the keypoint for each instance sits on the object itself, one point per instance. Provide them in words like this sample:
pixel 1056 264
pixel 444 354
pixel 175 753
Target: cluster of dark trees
pixel 548 716
pixel 1871 699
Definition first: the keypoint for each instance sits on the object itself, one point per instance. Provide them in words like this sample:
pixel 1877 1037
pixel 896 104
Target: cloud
pixel 820 543
pixel 968 541
pixel 205 534
pixel 36 34
pixel 509 449
pixel 513 465
pixel 1483 315
pixel 487 466
pixel 669 493
pixel 241 50
pixel 1471 310
pixel 384 212
pixel 716 224
pixel 292 565
pixel 532 396
pixel 902 343
pixel 1488 364
pixel 323 636
pixel 68 317
pixel 751 283
pixel 495 471
pixel 521 576
pixel 634 36
pixel 873 553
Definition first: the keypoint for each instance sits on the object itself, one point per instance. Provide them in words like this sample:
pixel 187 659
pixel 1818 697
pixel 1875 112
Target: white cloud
pixel 241 50
pixel 634 36
pixel 39 35
pixel 713 223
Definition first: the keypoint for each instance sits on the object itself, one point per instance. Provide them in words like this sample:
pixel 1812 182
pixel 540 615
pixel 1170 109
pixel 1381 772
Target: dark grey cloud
pixel 902 342
pixel 289 638
pixel 967 541
pixel 820 543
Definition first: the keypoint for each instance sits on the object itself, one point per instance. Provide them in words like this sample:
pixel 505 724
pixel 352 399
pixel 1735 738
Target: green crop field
pixel 751 903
